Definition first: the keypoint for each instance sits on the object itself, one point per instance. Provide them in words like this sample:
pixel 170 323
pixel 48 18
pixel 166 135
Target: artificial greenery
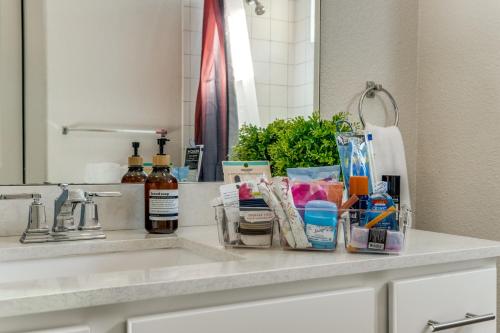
pixel 297 142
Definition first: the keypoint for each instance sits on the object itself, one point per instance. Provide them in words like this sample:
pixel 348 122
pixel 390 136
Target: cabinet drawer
pixel 323 312
pixel 443 298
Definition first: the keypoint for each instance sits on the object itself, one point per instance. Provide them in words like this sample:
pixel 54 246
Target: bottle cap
pixel 393 184
pixel 161 160
pixel 358 185
pixel 135 160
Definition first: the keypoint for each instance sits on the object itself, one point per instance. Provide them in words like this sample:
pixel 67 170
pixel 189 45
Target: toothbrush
pixel 372 223
pixel 371 159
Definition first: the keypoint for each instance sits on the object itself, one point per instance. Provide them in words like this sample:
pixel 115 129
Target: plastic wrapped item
pixel 314 173
pixel 355 155
pixel 371 239
pixel 180 173
pixel 315 183
pixel 281 188
pixel 273 203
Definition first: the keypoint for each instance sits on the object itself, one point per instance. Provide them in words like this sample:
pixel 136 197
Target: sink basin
pixel 78 265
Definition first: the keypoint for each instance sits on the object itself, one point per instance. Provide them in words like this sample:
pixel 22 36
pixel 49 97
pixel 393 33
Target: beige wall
pixel 459 114
pixel 10 93
pixel 366 40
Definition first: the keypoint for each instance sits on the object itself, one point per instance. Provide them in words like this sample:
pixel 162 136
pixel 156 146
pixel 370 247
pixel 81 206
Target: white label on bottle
pixel 319 233
pixel 163 205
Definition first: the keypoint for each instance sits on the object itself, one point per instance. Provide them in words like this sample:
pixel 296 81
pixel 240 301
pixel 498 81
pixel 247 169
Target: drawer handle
pixel 469 319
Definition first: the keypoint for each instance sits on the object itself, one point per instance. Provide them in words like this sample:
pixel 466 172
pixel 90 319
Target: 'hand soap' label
pixel 163 205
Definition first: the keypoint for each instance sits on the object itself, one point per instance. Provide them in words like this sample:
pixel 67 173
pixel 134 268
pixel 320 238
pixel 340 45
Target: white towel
pixel 390 158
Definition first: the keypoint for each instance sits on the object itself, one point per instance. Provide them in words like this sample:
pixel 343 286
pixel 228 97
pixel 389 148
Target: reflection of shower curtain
pixel 240 59
pixel 211 116
pixel 226 95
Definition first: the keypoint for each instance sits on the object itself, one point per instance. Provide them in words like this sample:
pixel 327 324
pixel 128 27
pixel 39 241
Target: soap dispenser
pixel 135 173
pixel 161 194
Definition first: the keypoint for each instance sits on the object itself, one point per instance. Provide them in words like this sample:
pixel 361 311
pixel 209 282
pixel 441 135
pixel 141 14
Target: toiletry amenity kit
pixel 311 203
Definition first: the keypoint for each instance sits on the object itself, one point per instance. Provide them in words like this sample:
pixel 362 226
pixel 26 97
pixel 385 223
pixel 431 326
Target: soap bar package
pixel 244 171
pixel 377 238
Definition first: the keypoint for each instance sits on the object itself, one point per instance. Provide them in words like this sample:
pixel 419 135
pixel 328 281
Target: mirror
pixel 87 78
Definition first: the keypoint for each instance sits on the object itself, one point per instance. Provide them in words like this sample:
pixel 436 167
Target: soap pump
pixel 161 194
pixel 135 173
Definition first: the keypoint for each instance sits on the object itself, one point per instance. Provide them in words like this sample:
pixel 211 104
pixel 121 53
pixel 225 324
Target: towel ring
pixel 371 89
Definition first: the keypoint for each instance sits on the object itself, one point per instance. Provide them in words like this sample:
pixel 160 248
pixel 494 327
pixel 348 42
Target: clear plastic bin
pixel 245 227
pixel 386 237
pixel 319 237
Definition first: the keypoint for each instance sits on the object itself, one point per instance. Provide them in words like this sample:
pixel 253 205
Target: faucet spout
pixel 64 208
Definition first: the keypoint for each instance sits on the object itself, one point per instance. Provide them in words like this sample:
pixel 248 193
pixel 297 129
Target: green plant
pixel 297 142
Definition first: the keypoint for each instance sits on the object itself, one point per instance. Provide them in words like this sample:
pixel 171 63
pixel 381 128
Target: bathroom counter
pixel 225 269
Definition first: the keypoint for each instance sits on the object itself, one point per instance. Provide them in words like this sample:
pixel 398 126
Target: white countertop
pixel 235 268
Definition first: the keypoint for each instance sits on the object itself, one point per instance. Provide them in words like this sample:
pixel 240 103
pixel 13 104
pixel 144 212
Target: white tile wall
pixel 192 13
pixel 279 52
pixel 283 57
pixel 301 61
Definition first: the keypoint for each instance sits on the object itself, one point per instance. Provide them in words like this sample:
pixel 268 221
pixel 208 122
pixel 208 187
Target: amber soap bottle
pixel 135 173
pixel 162 195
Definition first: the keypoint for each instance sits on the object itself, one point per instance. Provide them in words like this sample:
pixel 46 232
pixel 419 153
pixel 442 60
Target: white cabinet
pixel 72 329
pixel 336 311
pixel 443 298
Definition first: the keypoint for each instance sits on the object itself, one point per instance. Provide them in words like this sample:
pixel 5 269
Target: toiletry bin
pixel 371 239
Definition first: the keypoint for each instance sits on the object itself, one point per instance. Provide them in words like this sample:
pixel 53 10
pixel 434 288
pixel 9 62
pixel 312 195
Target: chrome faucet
pixel 64 227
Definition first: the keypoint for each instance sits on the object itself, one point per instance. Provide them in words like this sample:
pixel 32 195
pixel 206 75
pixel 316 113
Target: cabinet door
pixel 73 329
pixel 443 298
pixel 323 312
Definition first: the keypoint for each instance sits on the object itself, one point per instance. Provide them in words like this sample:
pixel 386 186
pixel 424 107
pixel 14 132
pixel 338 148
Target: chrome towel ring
pixel 371 89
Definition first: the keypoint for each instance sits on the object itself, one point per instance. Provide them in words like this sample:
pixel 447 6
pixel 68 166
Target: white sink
pixel 78 265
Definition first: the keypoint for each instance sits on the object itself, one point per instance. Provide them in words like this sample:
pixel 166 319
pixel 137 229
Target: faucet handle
pixel 37 230
pixel 76 196
pixel 89 195
pixel 63 187
pixel 17 196
pixel 89 218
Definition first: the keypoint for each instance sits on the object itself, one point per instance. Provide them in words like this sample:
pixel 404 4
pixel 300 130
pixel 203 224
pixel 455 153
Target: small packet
pixel 379 202
pixel 377 239
pixel 243 171
pixel 315 183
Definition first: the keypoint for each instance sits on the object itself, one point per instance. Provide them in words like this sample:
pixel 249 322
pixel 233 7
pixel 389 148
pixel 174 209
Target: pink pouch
pixel 303 192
